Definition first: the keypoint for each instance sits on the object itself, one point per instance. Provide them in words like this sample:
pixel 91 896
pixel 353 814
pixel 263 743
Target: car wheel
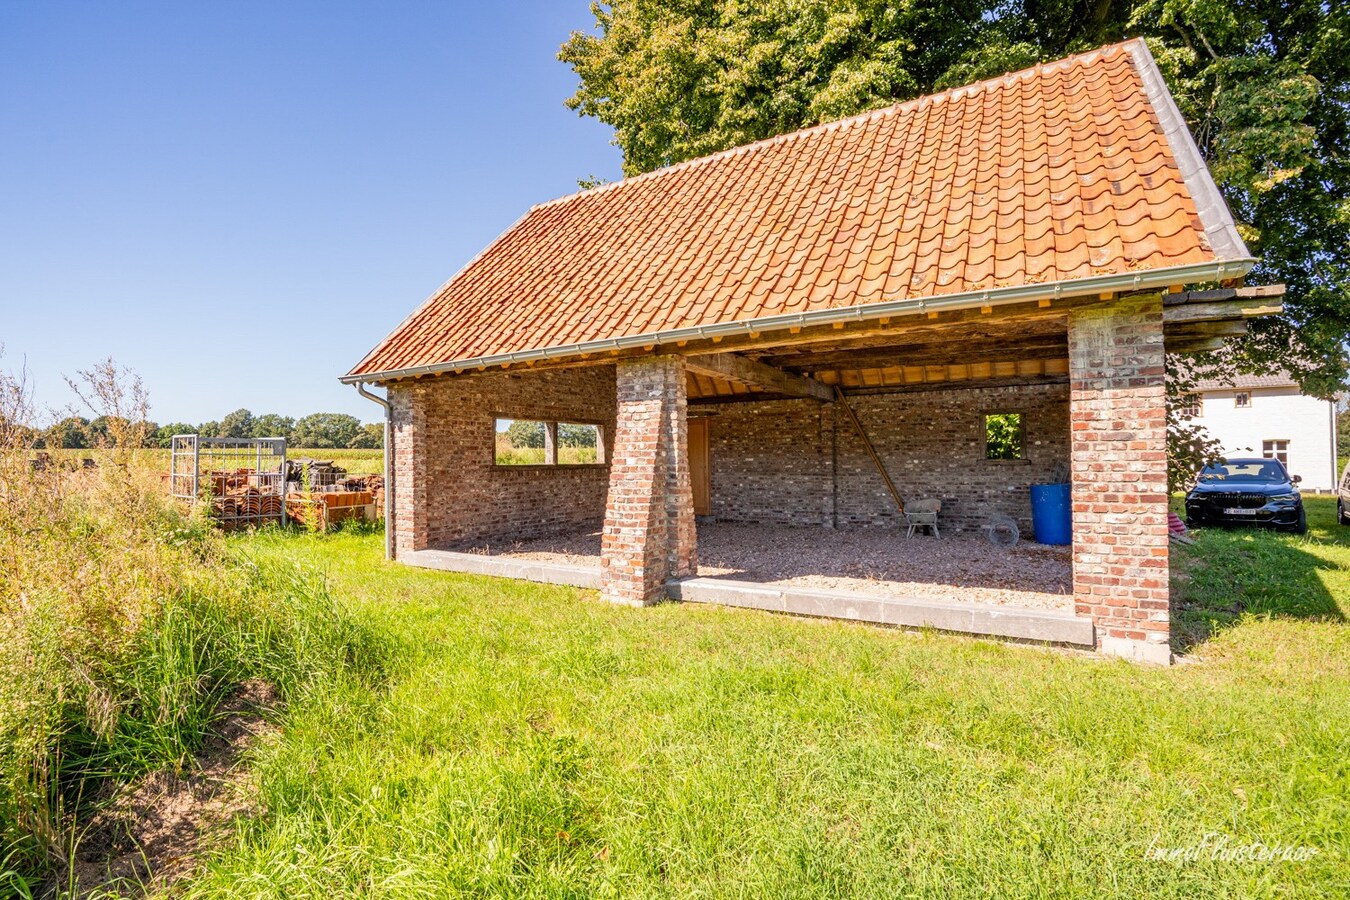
pixel 1301 526
pixel 1341 515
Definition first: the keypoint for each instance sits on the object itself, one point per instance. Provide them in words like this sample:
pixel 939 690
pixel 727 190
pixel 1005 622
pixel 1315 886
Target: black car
pixel 1247 492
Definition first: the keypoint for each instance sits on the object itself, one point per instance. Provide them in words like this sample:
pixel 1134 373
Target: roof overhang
pixel 1149 279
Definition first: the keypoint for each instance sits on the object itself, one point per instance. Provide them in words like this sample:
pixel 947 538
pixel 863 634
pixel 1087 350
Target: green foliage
pixel 576 435
pixel 272 425
pixel 370 437
pixel 1189 446
pixel 525 435
pixel 1003 436
pixel 71 433
pixel 1343 430
pixel 1264 86
pixel 238 424
pixel 326 431
pixel 163 436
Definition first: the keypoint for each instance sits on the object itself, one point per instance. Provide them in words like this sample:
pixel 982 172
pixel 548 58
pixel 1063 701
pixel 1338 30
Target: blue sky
pixel 239 199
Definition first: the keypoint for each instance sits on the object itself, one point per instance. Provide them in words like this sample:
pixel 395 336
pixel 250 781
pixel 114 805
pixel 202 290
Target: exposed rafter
pixel 734 367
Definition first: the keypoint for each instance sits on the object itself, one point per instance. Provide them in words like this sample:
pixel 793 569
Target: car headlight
pixel 1284 498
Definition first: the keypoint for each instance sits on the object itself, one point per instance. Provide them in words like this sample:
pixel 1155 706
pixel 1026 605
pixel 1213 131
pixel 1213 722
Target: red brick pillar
pixel 649 515
pixel 1118 449
pixel 408 425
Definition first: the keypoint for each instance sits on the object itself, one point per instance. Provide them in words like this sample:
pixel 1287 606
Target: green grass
pixel 532 741
pixel 123 626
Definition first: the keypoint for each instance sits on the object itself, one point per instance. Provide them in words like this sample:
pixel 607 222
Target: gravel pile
pixel 877 561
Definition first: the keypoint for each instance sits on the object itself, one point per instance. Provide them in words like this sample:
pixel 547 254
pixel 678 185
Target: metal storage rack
pixel 243 480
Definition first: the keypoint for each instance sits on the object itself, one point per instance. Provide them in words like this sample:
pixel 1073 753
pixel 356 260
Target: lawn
pixel 532 741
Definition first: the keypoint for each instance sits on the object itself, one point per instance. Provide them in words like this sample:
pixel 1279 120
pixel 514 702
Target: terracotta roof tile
pixel 1063 171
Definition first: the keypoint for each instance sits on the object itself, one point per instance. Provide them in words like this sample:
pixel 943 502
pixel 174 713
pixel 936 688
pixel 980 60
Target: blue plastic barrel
pixel 1051 514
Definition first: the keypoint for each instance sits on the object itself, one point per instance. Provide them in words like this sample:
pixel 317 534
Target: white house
pixel 1265 415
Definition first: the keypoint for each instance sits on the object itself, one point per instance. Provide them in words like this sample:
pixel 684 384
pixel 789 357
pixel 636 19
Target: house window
pixel 1242 399
pixel 1003 436
pixel 1191 407
pixel 527 442
pixel 1276 450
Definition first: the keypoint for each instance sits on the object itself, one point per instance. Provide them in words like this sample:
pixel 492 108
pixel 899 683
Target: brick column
pixel 649 515
pixel 1118 448
pixel 408 423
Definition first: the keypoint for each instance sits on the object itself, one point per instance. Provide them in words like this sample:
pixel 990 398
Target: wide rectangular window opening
pixel 1003 436
pixel 579 444
pixel 1276 449
pixel 521 442
pixel 530 442
pixel 1242 399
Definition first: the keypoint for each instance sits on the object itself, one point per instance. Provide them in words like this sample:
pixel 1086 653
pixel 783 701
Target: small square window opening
pixel 1003 436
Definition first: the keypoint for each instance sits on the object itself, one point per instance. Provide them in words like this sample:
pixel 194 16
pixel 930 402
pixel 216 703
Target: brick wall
pixel 1119 453
pixel 776 461
pixel 649 523
pixel 448 491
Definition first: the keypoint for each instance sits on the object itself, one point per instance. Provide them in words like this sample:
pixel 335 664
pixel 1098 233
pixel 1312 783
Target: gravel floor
pixel 877 561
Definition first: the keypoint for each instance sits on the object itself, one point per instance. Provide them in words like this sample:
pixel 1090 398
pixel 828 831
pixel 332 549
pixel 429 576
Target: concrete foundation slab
pixel 969 618
pixel 524 570
pixel 1049 626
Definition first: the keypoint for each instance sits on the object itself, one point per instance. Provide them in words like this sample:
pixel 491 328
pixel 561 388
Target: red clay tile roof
pixel 1067 171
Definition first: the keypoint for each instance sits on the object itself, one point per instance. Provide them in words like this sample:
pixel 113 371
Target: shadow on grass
pixel 1229 574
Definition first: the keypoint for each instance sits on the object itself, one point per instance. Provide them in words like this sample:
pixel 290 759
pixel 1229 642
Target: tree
pixel 1343 429
pixel 326 431
pixel 370 437
pixel 71 433
pixel 1264 86
pixel 163 436
pixel 238 424
pixel 1189 446
pixel 525 435
pixel 576 435
pixel 272 425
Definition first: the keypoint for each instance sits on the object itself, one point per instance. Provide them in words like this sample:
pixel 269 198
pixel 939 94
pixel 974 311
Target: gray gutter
pixel 1218 270
pixel 1215 216
pixel 388 473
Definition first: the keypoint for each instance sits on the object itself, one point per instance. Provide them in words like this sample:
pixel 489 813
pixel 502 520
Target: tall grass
pixel 123 624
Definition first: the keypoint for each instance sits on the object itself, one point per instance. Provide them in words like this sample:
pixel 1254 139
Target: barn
pixel 773 350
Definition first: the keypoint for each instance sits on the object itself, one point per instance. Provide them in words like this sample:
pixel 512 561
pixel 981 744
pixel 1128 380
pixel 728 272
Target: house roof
pixel 1246 382
pixel 1074 175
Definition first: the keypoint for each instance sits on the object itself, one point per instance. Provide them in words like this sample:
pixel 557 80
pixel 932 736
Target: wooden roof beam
pixel 734 367
pixel 1221 310
pixel 1255 292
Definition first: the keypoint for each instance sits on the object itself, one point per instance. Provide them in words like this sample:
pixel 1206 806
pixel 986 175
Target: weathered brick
pixel 1118 435
pixel 799 462
pixel 448 490
pixel 648 536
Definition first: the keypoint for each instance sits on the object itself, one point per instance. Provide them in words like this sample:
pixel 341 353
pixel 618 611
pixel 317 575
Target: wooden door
pixel 700 468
